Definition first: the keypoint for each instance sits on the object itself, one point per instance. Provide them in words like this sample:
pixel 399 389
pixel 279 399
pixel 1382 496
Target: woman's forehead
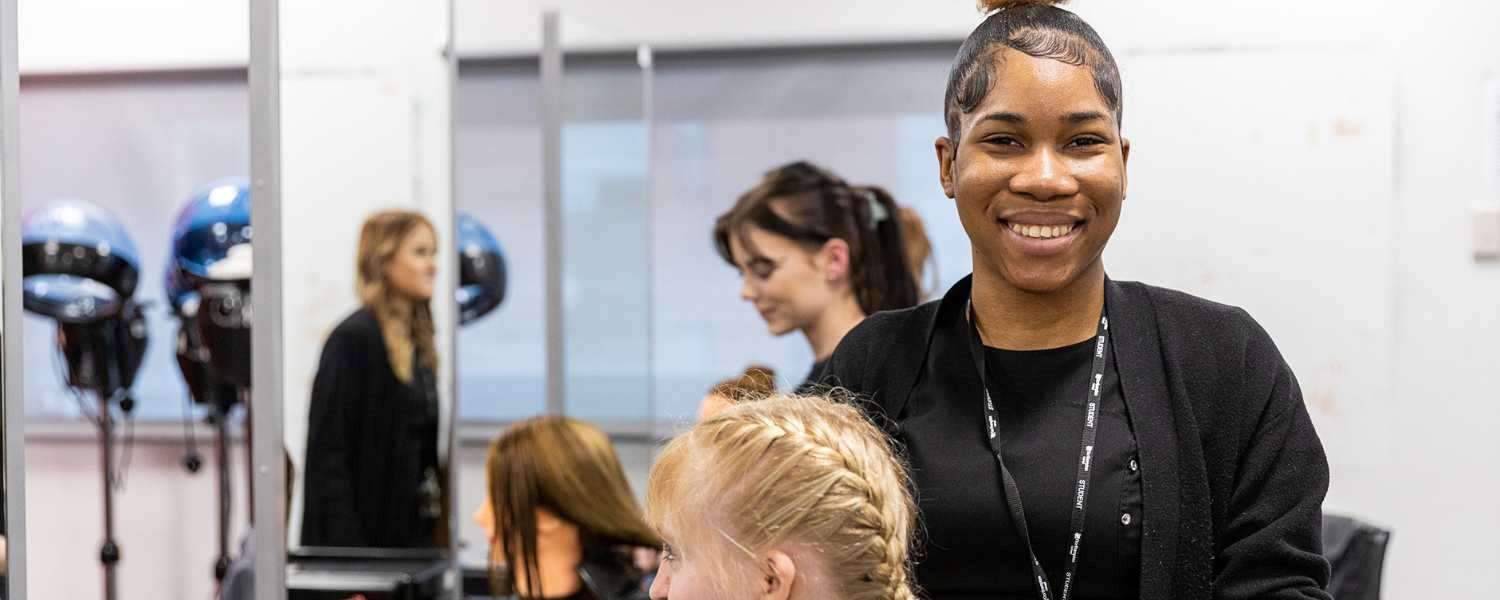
pixel 1033 88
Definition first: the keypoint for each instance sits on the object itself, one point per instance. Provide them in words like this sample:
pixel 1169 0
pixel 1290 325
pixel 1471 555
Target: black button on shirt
pixel 971 548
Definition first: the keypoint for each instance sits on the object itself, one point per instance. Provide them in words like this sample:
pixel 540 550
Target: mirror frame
pixel 267 387
pixel 13 420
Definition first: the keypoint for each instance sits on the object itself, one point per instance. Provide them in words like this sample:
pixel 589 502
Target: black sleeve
pixel 1271 544
pixel 328 516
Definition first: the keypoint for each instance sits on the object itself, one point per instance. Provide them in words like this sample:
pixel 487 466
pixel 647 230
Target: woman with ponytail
pixel 1072 436
pixel 372 474
pixel 816 254
pixel 785 498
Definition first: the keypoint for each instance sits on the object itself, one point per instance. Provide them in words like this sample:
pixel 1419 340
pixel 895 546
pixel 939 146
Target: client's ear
pixel 548 521
pixel 778 574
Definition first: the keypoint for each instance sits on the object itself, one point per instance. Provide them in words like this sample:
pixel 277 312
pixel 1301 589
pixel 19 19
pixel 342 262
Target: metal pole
pixel 552 209
pixel 645 59
pixel 221 464
pixel 109 552
pixel 267 446
pixel 450 264
pixel 14 418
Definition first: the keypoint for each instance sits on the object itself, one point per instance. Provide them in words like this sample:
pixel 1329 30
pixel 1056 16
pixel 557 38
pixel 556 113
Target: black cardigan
pixel 363 470
pixel 1233 474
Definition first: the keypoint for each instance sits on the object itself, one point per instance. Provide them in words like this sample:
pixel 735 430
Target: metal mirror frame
pixel 13 421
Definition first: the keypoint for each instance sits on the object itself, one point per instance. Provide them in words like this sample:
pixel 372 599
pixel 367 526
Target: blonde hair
pixel 803 470
pixel 570 468
pixel 404 334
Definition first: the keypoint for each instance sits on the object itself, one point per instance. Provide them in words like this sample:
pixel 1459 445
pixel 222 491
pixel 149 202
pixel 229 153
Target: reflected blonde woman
pixel 372 473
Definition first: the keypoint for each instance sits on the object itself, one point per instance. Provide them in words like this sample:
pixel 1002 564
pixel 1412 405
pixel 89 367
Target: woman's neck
pixel 1015 319
pixel 557 562
pixel 830 328
pixel 399 306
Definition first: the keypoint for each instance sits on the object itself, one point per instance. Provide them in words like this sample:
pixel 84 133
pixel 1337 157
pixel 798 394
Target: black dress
pixel 372 462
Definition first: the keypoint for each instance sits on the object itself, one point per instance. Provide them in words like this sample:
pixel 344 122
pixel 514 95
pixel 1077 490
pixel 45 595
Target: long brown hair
pixel 810 205
pixel 569 468
pixel 404 334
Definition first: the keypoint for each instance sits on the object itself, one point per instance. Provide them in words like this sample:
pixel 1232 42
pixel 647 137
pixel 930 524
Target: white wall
pixel 88 35
pixel 1406 423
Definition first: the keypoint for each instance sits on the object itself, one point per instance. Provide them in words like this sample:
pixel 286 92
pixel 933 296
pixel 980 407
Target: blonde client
pixel 787 498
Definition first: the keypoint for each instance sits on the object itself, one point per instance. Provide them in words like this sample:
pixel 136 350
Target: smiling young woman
pixel 1071 436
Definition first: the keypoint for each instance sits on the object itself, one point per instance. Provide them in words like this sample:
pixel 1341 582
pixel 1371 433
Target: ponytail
pixel 886 280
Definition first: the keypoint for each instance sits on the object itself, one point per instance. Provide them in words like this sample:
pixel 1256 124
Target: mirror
pixel 114 257
pixel 367 287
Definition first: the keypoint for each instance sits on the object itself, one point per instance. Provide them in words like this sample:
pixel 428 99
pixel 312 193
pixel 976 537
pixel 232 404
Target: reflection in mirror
pixel 367 300
pixel 114 256
pixel 372 471
pixel 208 293
pixel 81 270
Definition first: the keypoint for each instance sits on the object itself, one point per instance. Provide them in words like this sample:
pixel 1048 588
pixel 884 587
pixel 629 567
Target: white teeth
pixel 1042 232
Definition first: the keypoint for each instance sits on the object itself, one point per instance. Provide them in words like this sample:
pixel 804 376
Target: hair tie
pixel 878 212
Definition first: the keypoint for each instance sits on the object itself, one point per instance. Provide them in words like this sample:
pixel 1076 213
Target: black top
pixel 1231 472
pixel 371 445
pixel 1039 396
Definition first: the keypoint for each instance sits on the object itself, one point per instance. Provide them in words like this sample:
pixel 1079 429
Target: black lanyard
pixel 1085 457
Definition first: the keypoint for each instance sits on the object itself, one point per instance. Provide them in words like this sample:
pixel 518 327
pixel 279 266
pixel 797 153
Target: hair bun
pixel 990 6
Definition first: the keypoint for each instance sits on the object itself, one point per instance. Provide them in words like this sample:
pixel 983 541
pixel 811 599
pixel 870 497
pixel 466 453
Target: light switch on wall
pixel 1486 214
pixel 1487 233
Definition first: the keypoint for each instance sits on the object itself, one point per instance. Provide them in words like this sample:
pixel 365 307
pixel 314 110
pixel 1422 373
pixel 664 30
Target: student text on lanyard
pixel 1085 456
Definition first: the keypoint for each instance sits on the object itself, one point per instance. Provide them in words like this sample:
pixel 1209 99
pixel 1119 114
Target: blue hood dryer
pixel 80 269
pixel 481 270
pixel 208 287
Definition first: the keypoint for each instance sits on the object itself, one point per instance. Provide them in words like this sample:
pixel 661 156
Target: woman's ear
pixel 946 151
pixel 779 573
pixel 833 260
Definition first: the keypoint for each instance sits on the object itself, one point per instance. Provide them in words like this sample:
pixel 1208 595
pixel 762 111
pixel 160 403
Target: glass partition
pixel 606 227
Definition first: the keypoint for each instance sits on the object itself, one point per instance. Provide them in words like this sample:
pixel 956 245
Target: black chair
pixel 1356 550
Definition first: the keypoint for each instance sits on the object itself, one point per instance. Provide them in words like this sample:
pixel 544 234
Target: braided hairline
pixel 863 477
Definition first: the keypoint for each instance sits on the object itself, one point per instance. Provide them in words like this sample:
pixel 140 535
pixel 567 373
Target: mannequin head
pixel 556 491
